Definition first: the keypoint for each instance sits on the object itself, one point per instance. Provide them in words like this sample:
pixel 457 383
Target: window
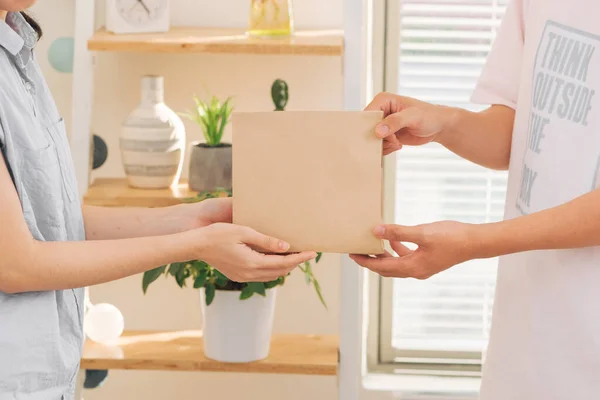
pixel 435 50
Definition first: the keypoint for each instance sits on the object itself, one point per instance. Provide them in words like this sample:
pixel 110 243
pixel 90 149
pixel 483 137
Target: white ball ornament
pixel 104 323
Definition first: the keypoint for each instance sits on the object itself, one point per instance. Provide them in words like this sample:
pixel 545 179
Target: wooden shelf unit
pixel 183 351
pixel 215 40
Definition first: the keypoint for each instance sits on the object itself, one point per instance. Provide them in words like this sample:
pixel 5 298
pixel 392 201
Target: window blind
pixel 445 320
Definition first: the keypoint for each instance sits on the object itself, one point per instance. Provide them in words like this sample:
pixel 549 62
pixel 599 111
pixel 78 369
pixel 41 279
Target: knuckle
pixel 268 242
pixel 394 120
pixel 381 96
pixel 246 231
pixel 395 233
pixel 426 237
pixel 418 117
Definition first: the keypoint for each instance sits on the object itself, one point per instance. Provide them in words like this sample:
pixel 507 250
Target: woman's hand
pixel 408 121
pixel 441 246
pixel 237 252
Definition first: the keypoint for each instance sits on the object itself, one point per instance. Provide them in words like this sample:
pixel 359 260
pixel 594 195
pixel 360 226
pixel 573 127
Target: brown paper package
pixel 311 178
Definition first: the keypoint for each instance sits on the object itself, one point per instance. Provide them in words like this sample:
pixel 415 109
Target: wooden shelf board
pixel 183 351
pixel 212 40
pixel 115 192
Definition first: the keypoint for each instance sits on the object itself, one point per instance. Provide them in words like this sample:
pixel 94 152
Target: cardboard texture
pixel 311 178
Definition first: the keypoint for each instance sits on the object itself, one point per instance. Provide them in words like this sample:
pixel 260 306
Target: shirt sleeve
pixel 500 79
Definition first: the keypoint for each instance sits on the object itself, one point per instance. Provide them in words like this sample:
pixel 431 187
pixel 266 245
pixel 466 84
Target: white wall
pixel 315 83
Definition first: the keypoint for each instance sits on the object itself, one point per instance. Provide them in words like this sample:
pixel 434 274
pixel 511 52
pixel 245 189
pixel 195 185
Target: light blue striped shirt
pixel 41 333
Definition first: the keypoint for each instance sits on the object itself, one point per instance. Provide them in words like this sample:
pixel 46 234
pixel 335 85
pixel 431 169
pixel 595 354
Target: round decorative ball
pixel 61 53
pixel 100 152
pixel 104 323
pixel 94 378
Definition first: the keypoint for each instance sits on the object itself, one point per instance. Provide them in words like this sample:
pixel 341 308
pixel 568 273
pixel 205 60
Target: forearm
pixel 61 265
pixel 572 225
pixel 103 223
pixel 481 137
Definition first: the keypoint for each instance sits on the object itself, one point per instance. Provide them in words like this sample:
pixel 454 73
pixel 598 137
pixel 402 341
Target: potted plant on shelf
pixel 210 162
pixel 237 317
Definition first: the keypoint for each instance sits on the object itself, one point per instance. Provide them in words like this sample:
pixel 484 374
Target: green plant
pixel 212 116
pixel 280 94
pixel 205 276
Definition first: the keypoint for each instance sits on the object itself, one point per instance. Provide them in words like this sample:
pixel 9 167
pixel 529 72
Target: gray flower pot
pixel 210 167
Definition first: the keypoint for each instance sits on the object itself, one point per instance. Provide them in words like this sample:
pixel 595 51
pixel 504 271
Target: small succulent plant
pixel 213 116
pixel 280 94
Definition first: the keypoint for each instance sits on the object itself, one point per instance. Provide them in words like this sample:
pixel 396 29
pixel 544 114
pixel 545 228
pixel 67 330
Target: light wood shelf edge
pixel 183 351
pixel 115 192
pixel 214 40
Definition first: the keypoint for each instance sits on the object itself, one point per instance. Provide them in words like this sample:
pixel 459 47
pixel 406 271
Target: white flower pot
pixel 238 331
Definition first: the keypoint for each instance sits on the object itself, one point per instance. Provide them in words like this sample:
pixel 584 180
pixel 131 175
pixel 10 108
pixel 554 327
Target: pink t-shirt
pixel 545 338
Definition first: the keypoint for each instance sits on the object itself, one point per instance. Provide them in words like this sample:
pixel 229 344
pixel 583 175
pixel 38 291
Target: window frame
pixel 382 357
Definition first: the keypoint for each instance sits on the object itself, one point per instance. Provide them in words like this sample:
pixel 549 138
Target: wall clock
pixel 137 16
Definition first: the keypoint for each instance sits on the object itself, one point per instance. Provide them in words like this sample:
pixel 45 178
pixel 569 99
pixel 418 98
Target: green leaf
pixel 200 280
pixel 221 280
pixel 181 275
pixel 200 265
pixel 151 276
pixel 224 114
pixel 197 101
pixel 247 292
pixel 193 269
pixel 307 278
pixel 318 257
pixel 277 282
pixel 210 293
pixel 310 278
pixel 213 116
pixel 174 268
pixel 307 273
pixel 257 287
pixel 318 290
pixel 271 284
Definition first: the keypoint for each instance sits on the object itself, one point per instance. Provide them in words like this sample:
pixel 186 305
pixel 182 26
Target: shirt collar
pixel 17 36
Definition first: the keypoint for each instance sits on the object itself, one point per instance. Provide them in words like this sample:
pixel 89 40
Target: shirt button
pixel 28 86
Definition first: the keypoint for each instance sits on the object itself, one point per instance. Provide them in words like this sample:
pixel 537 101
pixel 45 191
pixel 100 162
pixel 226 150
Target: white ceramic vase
pixel 152 140
pixel 238 331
